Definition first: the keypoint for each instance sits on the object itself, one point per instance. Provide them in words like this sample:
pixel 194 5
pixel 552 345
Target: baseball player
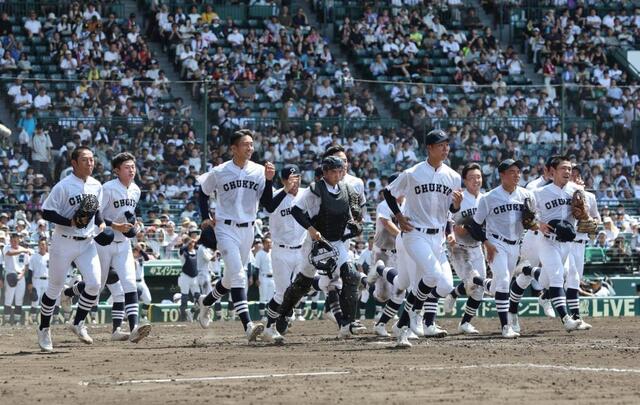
pixel 16 258
pixel 431 190
pixel 501 212
pixel 144 295
pixel 530 260
pixel 39 268
pixel 72 243
pixel 467 257
pixel 239 185
pixel 188 278
pixel 384 255
pixel 365 265
pixel 575 264
pixel 325 211
pixel 208 264
pixel 265 274
pixel 120 197
pixel 554 204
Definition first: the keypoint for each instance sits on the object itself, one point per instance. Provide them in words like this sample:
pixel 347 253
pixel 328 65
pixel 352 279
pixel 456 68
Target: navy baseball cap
pixel 332 162
pixel 436 136
pixel 506 164
pixel 289 171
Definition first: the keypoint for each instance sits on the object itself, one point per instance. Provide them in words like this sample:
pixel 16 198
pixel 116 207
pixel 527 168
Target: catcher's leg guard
pixel 294 293
pixel 349 293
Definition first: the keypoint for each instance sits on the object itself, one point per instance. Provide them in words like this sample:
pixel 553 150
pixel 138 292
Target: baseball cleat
pixel 140 332
pixel 520 267
pixel 44 340
pixel 469 285
pixel 344 332
pixel 65 303
pixel 271 334
pixel 508 333
pixel 570 323
pixel 119 336
pixel 380 329
pixel 448 304
pixel 412 336
pixel 300 318
pixel 415 323
pixel 468 329
pixel 373 275
pixel 514 322
pixel 253 331
pixel 357 328
pixel 583 325
pixel 80 330
pixel 435 331
pixel 204 315
pixel 403 339
pixel 547 307
pixel 396 330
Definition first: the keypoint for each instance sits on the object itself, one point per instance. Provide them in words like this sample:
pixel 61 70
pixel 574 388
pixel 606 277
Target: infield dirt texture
pixel 184 364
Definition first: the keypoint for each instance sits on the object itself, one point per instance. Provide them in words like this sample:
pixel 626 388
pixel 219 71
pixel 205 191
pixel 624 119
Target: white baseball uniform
pixel 143 291
pixel 265 275
pixel 71 244
pixel 238 192
pixel 206 268
pixel 575 264
pixel 384 248
pixel 117 199
pixel 502 212
pixel 14 264
pixel 552 203
pixel 358 186
pixel 39 267
pixel 188 283
pixel 530 248
pixel 287 237
pixel 428 193
pixel 467 254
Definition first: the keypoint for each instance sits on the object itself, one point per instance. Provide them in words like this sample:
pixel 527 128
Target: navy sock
pixel 391 274
pixel 421 295
pixel 272 312
pixel 240 305
pixel 430 308
pixel 333 301
pixel 117 314
pixel 131 308
pixel 502 306
pixel 515 295
pixel 46 311
pixel 573 302
pixel 218 292
pixel 459 291
pixel 85 304
pixel 316 283
pixel 184 299
pixel 390 310
pixel 558 300
pixel 470 310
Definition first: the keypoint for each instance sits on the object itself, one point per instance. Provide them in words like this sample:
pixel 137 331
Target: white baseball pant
pixel 266 288
pixel 384 290
pixel 143 292
pixel 575 264
pixel 430 256
pixel 14 293
pixel 503 266
pixel 234 244
pixel 83 253
pixel 204 281
pixel 40 285
pixel 553 260
pixel 188 284
pixel 119 257
pixel 465 259
pixel 286 263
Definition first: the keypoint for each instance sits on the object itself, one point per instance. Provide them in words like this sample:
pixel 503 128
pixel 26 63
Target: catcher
pixel 324 210
pixel 584 208
pixel 74 207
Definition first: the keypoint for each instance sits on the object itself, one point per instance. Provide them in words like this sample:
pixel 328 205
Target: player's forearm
pixel 203 204
pixel 391 201
pixel 301 217
pixel 52 216
pixel 268 201
pixel 97 219
pixel 453 209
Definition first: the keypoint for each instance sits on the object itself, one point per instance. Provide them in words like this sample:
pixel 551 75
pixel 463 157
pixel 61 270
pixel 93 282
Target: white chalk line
pixel 533 365
pixel 225 377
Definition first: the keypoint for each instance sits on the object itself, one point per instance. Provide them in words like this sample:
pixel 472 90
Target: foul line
pixel 532 365
pixel 228 377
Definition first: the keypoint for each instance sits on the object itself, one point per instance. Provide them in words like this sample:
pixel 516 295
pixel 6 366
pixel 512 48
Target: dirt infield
pixel 182 363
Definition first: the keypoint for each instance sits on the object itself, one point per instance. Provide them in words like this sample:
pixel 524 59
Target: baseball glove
pixel 589 226
pixel 355 205
pixel 323 257
pixel 353 229
pixel 579 206
pixel 529 215
pixel 87 209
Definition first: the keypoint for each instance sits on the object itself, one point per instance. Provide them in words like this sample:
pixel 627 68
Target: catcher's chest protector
pixel 334 213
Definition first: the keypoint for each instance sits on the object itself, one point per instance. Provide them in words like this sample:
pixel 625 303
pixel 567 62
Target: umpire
pixel 324 210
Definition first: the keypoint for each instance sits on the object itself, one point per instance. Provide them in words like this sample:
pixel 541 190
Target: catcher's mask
pixel 323 257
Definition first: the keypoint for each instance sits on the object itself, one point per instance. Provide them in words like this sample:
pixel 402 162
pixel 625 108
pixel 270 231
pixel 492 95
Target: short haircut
pixel 76 152
pixel 332 150
pixel 468 167
pixel 233 140
pixel 559 159
pixel 120 158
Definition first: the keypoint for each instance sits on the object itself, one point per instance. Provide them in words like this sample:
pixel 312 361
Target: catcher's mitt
pixel 323 257
pixel 589 226
pixel 87 209
pixel 579 206
pixel 355 205
pixel 353 229
pixel 529 215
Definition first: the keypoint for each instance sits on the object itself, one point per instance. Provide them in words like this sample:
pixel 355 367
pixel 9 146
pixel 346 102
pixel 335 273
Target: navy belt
pixel 388 250
pixel 268 275
pixel 507 241
pixel 428 231
pixel 242 225
pixel 139 280
pixel 582 242
pixel 290 247
pixel 43 278
pixel 75 237
pixel 555 238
